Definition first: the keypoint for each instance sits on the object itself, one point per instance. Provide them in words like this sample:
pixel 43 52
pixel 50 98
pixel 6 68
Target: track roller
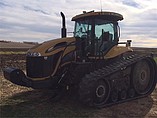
pixel 123 94
pixel 131 93
pixel 114 96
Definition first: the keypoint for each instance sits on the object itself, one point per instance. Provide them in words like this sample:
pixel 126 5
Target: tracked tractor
pixel 91 63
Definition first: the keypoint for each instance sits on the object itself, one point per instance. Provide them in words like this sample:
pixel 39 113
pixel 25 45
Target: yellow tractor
pixel 91 63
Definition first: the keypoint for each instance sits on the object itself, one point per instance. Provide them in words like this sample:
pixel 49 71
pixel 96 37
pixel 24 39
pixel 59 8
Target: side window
pixel 102 28
pixel 105 35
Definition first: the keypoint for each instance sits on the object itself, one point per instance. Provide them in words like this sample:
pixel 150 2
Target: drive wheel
pixel 142 77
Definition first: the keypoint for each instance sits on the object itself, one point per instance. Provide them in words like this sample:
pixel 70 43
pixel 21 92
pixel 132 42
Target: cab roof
pixel 111 16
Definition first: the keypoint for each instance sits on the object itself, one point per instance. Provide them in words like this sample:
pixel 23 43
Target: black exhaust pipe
pixel 63 30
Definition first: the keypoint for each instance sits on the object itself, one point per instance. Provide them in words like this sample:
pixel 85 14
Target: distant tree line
pixel 5 41
pixel 26 42
pixel 34 43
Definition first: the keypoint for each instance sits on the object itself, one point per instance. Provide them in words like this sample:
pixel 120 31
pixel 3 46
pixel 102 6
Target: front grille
pixel 38 67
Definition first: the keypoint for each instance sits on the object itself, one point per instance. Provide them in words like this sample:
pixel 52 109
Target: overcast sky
pixel 39 20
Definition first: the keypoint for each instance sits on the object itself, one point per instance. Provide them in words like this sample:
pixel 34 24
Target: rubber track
pixel 87 83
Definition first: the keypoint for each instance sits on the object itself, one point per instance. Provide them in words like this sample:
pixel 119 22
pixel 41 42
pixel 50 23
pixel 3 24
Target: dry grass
pixel 15 45
pixel 11 52
pixel 17 101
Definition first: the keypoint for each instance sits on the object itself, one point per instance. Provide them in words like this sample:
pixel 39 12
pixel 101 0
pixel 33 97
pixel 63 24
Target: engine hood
pixel 51 47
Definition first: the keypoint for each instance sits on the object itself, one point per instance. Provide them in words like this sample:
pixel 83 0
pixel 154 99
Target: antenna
pixel 101 5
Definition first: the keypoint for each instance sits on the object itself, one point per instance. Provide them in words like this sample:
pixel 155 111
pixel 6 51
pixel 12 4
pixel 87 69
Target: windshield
pixel 82 29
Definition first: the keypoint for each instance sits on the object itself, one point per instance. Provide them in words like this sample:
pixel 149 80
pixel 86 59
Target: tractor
pixel 92 63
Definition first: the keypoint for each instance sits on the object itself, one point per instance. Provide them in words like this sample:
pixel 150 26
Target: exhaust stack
pixel 63 30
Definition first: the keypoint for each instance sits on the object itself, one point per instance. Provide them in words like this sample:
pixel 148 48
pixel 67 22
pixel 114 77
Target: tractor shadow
pixel 37 103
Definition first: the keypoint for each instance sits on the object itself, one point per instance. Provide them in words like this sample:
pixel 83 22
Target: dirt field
pixel 14 46
pixel 19 101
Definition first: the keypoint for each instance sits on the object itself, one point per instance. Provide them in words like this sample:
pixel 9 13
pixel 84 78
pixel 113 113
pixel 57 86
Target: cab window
pixel 82 29
pixel 102 27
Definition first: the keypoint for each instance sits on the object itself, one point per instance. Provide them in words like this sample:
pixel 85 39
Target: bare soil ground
pixel 7 44
pixel 17 101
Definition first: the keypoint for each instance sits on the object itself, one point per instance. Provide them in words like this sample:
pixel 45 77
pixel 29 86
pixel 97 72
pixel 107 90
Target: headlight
pixel 34 54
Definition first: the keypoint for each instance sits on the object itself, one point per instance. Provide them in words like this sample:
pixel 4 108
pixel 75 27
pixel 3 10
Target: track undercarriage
pixel 133 76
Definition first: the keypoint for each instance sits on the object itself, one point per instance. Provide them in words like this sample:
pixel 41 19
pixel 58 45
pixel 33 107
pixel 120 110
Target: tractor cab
pixel 97 32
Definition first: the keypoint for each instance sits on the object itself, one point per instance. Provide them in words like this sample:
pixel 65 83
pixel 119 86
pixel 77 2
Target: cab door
pixel 106 36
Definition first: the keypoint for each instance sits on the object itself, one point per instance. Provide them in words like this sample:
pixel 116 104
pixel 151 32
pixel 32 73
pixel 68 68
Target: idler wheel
pixel 101 92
